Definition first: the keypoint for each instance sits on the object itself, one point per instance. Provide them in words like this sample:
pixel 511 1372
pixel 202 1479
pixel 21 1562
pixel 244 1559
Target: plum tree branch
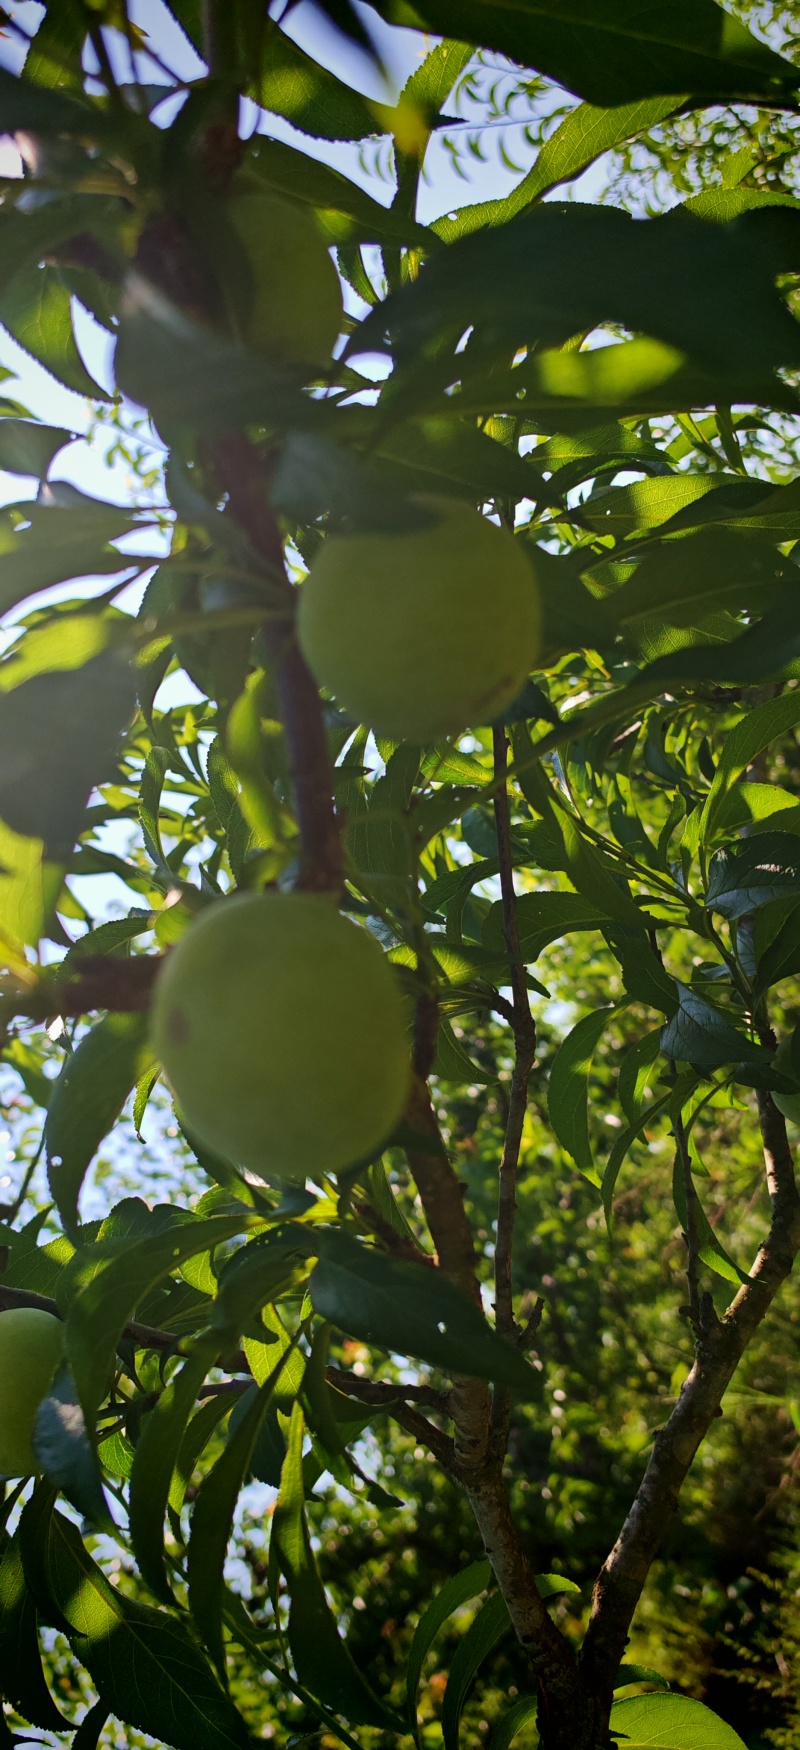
pixel 442 1198
pixel 245 474
pixel 524 1029
pixel 720 1347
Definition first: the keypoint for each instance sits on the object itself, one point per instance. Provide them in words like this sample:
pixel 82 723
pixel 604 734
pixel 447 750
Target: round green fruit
pixel 295 304
pixel 282 1031
pixel 788 1104
pixel 31 1351
pixel 424 632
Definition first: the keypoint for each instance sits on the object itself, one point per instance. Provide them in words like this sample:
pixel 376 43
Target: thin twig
pixel 524 1042
pixel 383 1394
pixel 524 1028
pixel 144 1336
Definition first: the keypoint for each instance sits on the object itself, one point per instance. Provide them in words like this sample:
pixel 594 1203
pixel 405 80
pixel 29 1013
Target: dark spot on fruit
pixel 178 1027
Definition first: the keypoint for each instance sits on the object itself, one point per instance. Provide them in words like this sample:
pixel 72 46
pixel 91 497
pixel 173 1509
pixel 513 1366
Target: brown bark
pixel 720 1346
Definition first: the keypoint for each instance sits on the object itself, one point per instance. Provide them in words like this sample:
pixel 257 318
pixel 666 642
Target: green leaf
pixel 187 376
pixel 438 455
pixel 306 94
pixel 157 1453
pixel 26 106
pixel 544 918
pixel 26 447
pixel 583 136
pixel 700 1035
pixel 639 1674
pixel 254 1276
pixel 454 1064
pixel 706 289
pixel 36 308
pixel 512 1722
pixel 455 1592
pixel 87 1100
pixel 115 1285
pixel 106 939
pixel 612 52
pixel 490 1624
pixel 568 1089
pixel 67 1455
pixel 488 1627
pixel 200 1430
pixel 563 389
pixel 407 1308
pixel 766 868
pixel 65 730
pixel 623 1144
pixel 636 1072
pixel 346 213
pixel 46 543
pixel 751 735
pixel 144 1663
pixel 717 568
pixel 671 1722
pixel 212 1520
pixel 29 890
pixel 22 1679
pixel 321 1659
pixel 710 1249
pixel 781 957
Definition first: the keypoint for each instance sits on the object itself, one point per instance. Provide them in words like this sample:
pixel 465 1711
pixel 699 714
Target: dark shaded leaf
pixel 212 1520
pixel 66 1454
pixel 707 289
pixel 87 1100
pixel 456 1591
pixel 568 1089
pixel 146 1667
pixel 321 1659
pixel 22 1679
pixel 26 447
pixel 405 1308
pixel 767 867
pixel 347 213
pixel 487 1628
pixel 699 1034
pixel 544 918
pixel 157 1452
pixel 187 376
pixel 610 51
pixel 114 1286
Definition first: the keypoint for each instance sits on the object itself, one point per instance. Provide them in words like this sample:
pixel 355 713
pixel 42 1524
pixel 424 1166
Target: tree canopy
pixel 521 1376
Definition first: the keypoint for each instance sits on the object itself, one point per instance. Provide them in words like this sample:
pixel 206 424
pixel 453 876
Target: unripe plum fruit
pixel 423 632
pixel 295 307
pixel 31 1351
pixel 788 1104
pixel 282 1031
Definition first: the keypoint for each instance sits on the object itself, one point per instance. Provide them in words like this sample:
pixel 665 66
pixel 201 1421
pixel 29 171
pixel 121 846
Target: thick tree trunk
pixel 578 1722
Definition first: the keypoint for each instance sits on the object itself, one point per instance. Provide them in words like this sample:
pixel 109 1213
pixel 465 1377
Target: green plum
pixel 788 1104
pixel 31 1351
pixel 282 1031
pixel 424 632
pixel 295 306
